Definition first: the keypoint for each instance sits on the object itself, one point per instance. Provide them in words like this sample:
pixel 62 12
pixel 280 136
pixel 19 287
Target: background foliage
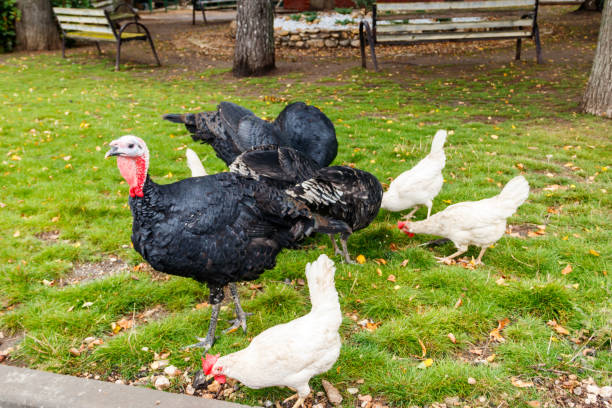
pixel 8 15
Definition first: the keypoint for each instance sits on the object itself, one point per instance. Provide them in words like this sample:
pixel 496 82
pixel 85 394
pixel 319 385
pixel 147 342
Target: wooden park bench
pixel 210 4
pixel 439 20
pixel 102 25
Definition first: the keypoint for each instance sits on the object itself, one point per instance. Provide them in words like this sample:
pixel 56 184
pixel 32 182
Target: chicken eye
pixel 131 145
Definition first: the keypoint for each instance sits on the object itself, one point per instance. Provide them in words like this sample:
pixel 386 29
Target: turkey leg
pixel 337 250
pixel 343 239
pixel 240 320
pixel 207 342
pixel 215 299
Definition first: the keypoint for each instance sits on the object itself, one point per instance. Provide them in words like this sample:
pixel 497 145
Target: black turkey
pixel 217 229
pixel 340 193
pixel 232 130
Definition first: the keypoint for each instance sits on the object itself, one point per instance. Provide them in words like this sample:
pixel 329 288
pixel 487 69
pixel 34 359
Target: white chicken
pixel 419 185
pixel 290 354
pixel 479 223
pixel 194 164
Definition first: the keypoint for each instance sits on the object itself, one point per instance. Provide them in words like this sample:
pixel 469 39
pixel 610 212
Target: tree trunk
pixel 598 95
pixel 36 29
pixel 254 51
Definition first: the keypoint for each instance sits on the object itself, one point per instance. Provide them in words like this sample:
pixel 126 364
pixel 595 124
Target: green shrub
pixel 71 3
pixel 364 3
pixel 341 10
pixel 8 16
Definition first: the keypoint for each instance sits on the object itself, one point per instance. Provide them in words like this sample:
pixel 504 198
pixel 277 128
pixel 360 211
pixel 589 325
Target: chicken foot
pixel 207 342
pixel 298 403
pixel 408 216
pixel 241 315
pixel 446 259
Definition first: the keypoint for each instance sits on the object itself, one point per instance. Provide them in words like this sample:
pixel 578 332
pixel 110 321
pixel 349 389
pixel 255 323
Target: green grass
pixel 58 116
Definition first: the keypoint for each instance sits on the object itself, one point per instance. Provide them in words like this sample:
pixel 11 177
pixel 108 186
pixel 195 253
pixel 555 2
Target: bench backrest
pixel 453 20
pixel 83 20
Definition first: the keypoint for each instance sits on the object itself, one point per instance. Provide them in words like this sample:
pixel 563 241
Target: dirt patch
pixel 8 344
pixel 51 236
pixel 526 230
pixel 84 272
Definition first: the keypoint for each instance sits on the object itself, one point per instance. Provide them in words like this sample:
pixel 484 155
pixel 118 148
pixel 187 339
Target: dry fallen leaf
pixel 534 404
pixel 496 333
pixel 458 303
pixel 452 338
pixel 517 382
pixel 567 269
pixel 391 278
pixel 558 328
pixel 593 252
pixel 404 263
pixel 380 261
pixel 360 259
pixel 423 349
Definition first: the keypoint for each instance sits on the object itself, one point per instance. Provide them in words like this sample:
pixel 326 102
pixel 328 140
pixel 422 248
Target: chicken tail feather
pixel 438 141
pixel 514 194
pixel 320 277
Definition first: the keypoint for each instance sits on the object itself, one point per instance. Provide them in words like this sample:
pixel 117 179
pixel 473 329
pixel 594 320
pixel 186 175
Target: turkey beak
pixel 114 151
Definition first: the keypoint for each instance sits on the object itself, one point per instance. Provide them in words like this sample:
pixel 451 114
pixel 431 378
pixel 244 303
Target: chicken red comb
pixel 209 362
pixel 400 225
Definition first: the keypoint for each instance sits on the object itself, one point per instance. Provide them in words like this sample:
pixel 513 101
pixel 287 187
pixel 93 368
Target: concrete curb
pixel 25 388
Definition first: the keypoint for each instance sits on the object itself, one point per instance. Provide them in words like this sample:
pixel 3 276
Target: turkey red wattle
pixel 134 171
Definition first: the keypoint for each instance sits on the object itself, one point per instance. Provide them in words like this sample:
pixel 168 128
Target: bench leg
pixel 63 46
pixel 193 5
pixel 118 55
pixel 204 14
pixel 518 49
pixel 98 47
pixel 536 37
pixel 146 30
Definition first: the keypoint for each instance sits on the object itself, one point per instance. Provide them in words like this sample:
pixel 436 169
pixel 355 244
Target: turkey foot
pixel 241 315
pixel 337 250
pixel 207 342
pixel 298 403
pixel 347 257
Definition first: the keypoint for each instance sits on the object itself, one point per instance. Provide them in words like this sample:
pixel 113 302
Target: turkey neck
pixel 144 207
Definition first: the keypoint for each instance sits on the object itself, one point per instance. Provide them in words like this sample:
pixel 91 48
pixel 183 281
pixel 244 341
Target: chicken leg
pixel 479 259
pixel 448 258
pixel 240 320
pixel 408 216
